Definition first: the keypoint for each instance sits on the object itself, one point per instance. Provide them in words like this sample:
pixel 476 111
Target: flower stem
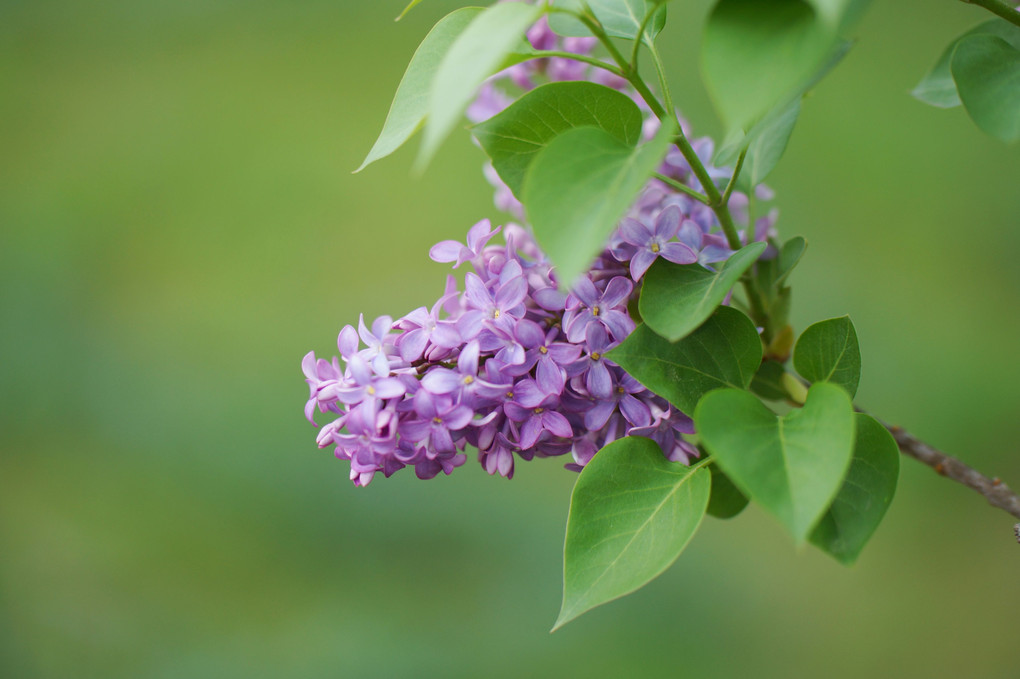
pixel 543 54
pixel 998 8
pixel 700 197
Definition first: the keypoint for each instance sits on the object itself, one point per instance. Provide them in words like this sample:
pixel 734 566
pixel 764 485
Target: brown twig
pixel 995 491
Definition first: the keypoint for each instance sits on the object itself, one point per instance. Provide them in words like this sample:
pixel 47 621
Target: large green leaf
pixel 726 500
pixel 937 87
pixel 828 352
pixel 987 74
pixel 579 186
pixel 513 137
pixel 482 49
pixel 619 18
pixel 725 351
pixel 760 55
pixel 631 514
pixel 793 466
pixel 677 298
pixel 865 496
pixel 410 104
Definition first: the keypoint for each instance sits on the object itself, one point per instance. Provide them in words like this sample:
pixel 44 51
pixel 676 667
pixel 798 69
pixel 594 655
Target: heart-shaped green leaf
pixel 865 496
pixel 579 186
pixel 724 352
pixel 793 466
pixel 677 298
pixel 760 55
pixel 631 514
pixel 410 104
pixel 937 88
pixel 828 352
pixel 987 74
pixel 479 51
pixel 726 500
pixel 514 137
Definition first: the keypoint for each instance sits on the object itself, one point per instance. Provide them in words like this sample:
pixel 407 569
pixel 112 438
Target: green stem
pixel 544 54
pixel 683 188
pixel 639 39
pixel 998 8
pixel 733 180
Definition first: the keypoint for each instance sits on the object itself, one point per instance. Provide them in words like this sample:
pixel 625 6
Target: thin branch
pixel 700 197
pixel 995 491
pixel 998 8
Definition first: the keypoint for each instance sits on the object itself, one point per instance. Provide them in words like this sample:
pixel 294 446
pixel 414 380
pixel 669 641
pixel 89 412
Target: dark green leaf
pixel 768 381
pixel 513 137
pixel 631 514
pixel 579 186
pixel 828 352
pixel 938 88
pixel 789 256
pixel 410 104
pixel 619 18
pixel 725 351
pixel 677 298
pixel 792 466
pixel 761 55
pixel 865 496
pixel 726 500
pixel 987 74
pixel 482 49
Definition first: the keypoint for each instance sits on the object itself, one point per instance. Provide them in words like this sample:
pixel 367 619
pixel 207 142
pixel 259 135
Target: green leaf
pixel 515 136
pixel 631 514
pixel 579 186
pixel 792 466
pixel 619 18
pixel 789 256
pixel 865 496
pixel 677 298
pixel 760 55
pixel 482 49
pixel 765 144
pixel 840 14
pixel 410 104
pixel 987 74
pixel 937 88
pixel 726 500
pixel 724 352
pixel 768 381
pixel 828 352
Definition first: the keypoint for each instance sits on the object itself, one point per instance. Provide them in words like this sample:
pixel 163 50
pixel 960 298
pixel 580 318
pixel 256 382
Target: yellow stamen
pixel 595 355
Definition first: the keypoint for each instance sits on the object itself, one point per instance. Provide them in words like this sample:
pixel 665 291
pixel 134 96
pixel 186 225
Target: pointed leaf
pixel 987 74
pixel 865 496
pixel 631 514
pixel 619 18
pixel 514 137
pixel 828 352
pixel 724 352
pixel 765 144
pixel 410 104
pixel 579 186
pixel 677 298
pixel 726 500
pixel 479 51
pixel 792 466
pixel 937 88
pixel 760 55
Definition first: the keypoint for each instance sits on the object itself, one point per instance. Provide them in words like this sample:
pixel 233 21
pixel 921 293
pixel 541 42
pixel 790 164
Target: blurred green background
pixel 179 225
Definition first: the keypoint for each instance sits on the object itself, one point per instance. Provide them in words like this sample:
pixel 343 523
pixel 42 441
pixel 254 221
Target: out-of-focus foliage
pixel 178 226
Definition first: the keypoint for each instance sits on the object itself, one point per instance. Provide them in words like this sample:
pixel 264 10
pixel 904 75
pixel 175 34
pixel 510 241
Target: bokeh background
pixel 179 225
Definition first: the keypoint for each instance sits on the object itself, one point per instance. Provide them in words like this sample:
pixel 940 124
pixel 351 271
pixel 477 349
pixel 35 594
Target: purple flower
pixel 452 251
pixel 587 305
pixel 439 417
pixel 651 244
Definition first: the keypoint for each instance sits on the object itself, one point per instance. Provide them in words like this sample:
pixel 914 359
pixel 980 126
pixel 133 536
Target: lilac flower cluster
pixel 511 365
